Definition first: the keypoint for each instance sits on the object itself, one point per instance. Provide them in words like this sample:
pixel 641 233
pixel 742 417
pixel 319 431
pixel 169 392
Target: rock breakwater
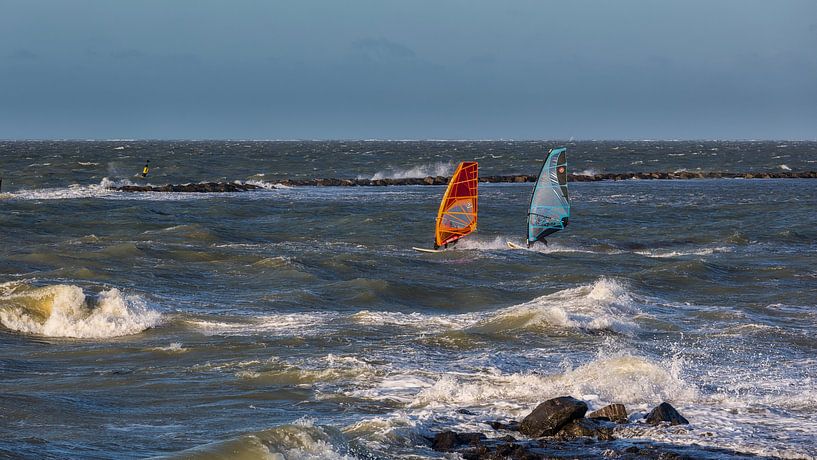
pixel 216 187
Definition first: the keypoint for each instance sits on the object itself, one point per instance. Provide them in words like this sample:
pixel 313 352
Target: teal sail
pixel 549 204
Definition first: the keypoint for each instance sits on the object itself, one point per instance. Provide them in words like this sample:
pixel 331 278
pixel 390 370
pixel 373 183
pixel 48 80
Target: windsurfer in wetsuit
pixel 146 169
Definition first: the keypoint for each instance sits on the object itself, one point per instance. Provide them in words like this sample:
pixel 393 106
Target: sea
pixel 298 323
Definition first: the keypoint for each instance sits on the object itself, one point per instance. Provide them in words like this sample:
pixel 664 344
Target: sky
pixel 420 69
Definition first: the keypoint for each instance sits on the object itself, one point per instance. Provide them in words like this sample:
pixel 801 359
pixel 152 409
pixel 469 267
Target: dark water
pixel 298 321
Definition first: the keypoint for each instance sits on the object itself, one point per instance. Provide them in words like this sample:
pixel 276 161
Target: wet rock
pixel 449 440
pixel 444 441
pixel 585 427
pixel 475 453
pixel 204 187
pixel 514 451
pixel 664 412
pixel 612 412
pixel 498 425
pixel 550 416
pixel 470 438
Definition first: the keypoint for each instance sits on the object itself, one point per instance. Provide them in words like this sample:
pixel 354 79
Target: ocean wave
pixel 619 377
pixel 587 172
pixel 302 440
pixel 500 243
pixel 175 347
pixel 330 368
pixel 105 189
pixel 280 324
pixel 74 191
pixel 603 305
pixel 262 184
pixel 65 311
pixel 663 254
pixel 430 169
pixel 415 320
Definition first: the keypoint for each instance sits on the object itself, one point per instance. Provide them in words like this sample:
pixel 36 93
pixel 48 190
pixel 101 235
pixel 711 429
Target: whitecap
pixel 65 311
pixel 431 169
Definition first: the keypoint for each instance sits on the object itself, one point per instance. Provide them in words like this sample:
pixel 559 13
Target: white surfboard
pixel 515 246
pixel 428 250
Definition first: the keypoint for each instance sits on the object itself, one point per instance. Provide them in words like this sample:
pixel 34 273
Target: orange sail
pixel 458 210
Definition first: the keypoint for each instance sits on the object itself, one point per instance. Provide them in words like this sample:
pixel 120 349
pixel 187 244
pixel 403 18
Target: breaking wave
pixel 500 243
pixel 611 377
pixel 71 192
pixel 279 324
pixel 604 305
pixel 302 440
pixel 664 254
pixel 431 169
pixel 65 311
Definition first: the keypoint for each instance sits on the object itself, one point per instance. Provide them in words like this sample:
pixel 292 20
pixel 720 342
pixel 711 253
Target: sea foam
pixel 430 169
pixel 64 310
pixel 605 304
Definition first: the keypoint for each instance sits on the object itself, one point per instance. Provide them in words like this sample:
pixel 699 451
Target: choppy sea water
pixel 299 320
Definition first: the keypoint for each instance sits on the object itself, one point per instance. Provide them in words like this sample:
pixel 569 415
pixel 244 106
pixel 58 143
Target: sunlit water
pixel 300 321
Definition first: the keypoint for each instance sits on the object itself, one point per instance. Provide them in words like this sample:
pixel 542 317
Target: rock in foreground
pixel 664 412
pixel 612 412
pixel 550 416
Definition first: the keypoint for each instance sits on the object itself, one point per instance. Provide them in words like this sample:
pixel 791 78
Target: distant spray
pixel 146 169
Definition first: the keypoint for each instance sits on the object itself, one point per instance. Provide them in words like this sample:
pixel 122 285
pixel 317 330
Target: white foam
pixel 620 377
pixel 416 320
pixel 587 172
pixel 75 191
pixel 604 305
pixel 656 253
pixel 262 184
pixel 65 311
pixel 175 347
pixel 281 324
pixel 500 243
pixel 431 169
pixel 785 168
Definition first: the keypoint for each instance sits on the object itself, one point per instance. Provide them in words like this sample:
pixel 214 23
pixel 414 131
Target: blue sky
pixel 327 69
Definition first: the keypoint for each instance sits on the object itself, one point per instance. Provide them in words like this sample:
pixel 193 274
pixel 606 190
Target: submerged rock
pixel 664 412
pixel 612 412
pixel 550 416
